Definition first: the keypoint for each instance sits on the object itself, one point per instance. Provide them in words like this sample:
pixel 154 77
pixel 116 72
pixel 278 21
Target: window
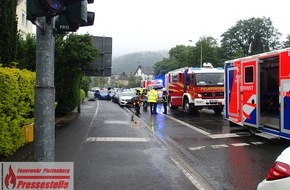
pixel 23 19
pixel 173 78
pixel 249 74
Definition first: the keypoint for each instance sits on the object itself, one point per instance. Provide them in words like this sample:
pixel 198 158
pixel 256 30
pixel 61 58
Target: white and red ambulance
pixel 257 93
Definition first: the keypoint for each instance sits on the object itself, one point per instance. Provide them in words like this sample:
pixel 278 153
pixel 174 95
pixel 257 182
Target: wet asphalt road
pixel 110 152
pixel 228 158
pixel 204 143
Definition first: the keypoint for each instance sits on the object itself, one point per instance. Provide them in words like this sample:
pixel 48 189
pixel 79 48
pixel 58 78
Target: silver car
pixel 125 98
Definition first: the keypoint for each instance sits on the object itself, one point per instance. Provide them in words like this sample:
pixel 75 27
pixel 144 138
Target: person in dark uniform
pixel 165 100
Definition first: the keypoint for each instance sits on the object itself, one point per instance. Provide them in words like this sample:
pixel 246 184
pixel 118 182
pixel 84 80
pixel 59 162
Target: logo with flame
pixel 10 179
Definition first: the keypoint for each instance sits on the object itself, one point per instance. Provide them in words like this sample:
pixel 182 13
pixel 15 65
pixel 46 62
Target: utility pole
pixel 201 55
pixel 44 92
pixel 73 14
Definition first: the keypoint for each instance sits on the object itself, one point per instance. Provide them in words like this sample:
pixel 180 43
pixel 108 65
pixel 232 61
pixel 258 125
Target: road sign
pixel 102 66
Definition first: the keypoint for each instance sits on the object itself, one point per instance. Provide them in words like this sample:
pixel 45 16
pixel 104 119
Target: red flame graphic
pixel 10 178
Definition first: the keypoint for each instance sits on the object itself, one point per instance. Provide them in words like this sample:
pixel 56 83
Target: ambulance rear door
pixel 284 71
pixel 249 92
pixel 232 91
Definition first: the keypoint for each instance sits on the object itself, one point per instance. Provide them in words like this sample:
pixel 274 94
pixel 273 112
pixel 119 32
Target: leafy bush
pixel 16 107
pixel 83 95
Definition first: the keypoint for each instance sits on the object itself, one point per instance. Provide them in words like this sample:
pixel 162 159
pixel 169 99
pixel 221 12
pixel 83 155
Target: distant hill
pixel 129 63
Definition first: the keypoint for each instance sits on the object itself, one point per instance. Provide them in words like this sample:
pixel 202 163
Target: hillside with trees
pixel 129 63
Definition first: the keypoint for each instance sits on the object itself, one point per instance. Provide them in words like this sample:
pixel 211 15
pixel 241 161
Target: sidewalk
pixel 26 153
pixel 112 150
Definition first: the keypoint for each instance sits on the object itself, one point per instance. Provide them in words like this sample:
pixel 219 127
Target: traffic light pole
pixel 45 92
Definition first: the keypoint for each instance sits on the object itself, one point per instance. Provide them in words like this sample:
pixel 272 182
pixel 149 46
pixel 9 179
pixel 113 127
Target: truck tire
pixel 187 107
pixel 218 109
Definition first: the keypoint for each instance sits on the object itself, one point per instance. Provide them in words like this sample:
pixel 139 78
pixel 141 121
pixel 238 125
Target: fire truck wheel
pixel 186 106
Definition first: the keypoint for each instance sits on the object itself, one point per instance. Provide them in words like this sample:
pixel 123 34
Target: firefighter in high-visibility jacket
pixel 152 100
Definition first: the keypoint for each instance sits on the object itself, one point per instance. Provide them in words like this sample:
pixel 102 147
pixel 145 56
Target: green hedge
pixel 83 95
pixel 16 107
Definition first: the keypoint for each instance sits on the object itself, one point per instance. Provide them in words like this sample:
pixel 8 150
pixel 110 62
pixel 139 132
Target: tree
pixel 26 53
pixel 85 84
pixel 287 42
pixel 249 37
pixel 8 31
pixel 164 66
pixel 180 54
pixel 73 53
pixel 205 50
pixel 100 82
pixel 134 81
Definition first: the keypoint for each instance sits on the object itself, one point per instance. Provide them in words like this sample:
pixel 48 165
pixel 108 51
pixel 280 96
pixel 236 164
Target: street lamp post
pixel 200 53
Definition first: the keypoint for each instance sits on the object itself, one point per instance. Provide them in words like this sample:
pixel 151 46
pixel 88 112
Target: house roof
pixel 145 70
pixel 123 76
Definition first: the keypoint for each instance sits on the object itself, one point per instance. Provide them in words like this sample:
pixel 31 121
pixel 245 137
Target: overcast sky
pixel 152 25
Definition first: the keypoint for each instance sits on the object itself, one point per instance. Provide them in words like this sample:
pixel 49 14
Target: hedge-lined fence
pixel 16 107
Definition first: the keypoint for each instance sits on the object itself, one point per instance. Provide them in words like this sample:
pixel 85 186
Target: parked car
pixel 125 98
pixel 278 177
pixel 115 96
pixel 97 93
pixel 91 95
pixel 104 95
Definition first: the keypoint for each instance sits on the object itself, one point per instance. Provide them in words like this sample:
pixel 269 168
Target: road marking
pixel 213 136
pixel 228 135
pixel 220 136
pixel 240 144
pixel 197 148
pixel 188 175
pixel 189 126
pixel 219 146
pixel 116 139
pixel 258 142
pixel 116 122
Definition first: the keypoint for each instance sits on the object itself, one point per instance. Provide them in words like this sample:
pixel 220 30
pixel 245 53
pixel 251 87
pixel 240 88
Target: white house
pixel 24 26
pixel 146 73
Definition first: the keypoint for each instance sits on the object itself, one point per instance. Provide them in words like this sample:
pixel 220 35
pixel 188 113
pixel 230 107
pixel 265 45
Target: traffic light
pixel 73 16
pixel 39 8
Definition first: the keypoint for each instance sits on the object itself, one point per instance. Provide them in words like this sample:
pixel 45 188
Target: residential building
pixel 123 79
pixel 24 26
pixel 146 73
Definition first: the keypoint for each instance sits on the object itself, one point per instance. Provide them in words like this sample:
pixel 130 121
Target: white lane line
pixel 197 148
pixel 213 136
pixel 116 139
pixel 240 144
pixel 258 142
pixel 193 180
pixel 221 136
pixel 116 122
pixel 189 126
pixel 219 146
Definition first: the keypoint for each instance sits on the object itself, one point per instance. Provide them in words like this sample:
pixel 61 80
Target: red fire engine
pixel 196 88
pixel 258 93
pixel 147 83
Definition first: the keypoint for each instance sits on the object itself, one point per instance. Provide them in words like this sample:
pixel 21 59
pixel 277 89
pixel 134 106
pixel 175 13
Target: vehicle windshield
pixel 128 94
pixel 103 92
pixel 210 79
